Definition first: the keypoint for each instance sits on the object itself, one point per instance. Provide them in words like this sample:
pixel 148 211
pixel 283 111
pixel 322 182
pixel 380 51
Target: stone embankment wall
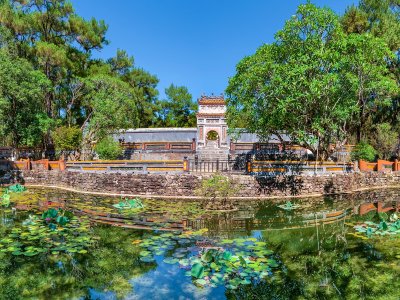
pixel 185 185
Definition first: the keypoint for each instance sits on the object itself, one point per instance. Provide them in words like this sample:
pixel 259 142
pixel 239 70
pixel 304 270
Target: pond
pixel 56 244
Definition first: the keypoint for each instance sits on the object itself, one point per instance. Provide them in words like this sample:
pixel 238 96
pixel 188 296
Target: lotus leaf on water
pixel 388 225
pixel 5 199
pixel 236 263
pixel 197 270
pixel 129 204
pixel 17 188
pixel 289 206
pixel 49 235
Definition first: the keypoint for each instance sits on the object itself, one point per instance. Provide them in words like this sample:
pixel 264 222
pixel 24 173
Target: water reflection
pixel 320 259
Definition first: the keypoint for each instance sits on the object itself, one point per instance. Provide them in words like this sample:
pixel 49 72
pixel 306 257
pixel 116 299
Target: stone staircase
pixel 213 154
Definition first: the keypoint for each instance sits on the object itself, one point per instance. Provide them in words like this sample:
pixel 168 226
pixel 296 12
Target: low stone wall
pixel 185 185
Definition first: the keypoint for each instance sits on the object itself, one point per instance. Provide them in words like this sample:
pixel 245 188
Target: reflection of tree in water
pixel 325 264
pixel 108 266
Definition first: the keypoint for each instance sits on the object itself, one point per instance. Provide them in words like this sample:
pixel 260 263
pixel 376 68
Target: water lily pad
pixel 197 270
pixel 201 281
pixel 147 259
pixel 184 262
pixel 144 253
pixel 272 263
pixel 226 241
pixel 227 255
pixel 170 260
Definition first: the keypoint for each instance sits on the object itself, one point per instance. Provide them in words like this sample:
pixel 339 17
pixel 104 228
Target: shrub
pixel 108 148
pixel 363 151
pixel 216 191
pixel 67 138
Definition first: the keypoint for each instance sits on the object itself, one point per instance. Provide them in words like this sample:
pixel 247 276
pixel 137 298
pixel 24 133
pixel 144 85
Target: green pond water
pixel 62 245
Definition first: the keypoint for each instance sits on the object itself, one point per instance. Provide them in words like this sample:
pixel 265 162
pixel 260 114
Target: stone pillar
pixel 62 165
pixel 186 164
pixel 194 145
pixel 362 165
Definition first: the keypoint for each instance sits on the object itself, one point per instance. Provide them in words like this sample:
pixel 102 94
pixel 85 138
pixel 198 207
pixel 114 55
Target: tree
pixel 216 191
pixel 370 81
pixel 107 148
pixel 178 110
pixel 59 43
pixel 54 38
pixel 296 85
pixel 363 151
pixel 141 81
pixel 67 139
pixel 110 105
pixel 355 20
pixel 380 18
pixel 385 140
pixel 21 109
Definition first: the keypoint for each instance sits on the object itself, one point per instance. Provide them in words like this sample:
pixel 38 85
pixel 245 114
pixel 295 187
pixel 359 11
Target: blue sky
pixel 195 43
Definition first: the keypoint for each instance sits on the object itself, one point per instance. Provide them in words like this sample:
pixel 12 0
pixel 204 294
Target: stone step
pixel 213 153
pixel 213 157
pixel 213 150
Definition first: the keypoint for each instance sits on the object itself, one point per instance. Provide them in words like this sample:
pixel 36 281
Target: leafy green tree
pixel 371 83
pixel 108 148
pixel 59 43
pixel 314 83
pixel 178 110
pixel 141 81
pixel 296 85
pixel 54 38
pixel 21 109
pixel 364 151
pixel 67 141
pixel 67 138
pixel 380 18
pixel 110 105
pixel 385 140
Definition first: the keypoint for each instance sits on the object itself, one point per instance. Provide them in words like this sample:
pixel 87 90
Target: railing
pixel 214 166
pixel 160 146
pixel 380 166
pixel 27 164
pixel 136 166
pixel 274 168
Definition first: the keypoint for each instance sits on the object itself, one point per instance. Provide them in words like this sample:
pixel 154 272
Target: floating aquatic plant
pixel 223 262
pixel 17 188
pixel 388 225
pixel 5 199
pixel 129 204
pixel 55 218
pixel 289 206
pixel 53 233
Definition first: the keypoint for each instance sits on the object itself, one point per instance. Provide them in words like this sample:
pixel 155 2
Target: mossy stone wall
pixel 186 184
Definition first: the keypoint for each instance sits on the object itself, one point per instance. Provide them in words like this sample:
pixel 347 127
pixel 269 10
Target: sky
pixel 194 43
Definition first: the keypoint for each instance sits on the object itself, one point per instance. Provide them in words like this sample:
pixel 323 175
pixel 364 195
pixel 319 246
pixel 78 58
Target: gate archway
pixel 212 139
